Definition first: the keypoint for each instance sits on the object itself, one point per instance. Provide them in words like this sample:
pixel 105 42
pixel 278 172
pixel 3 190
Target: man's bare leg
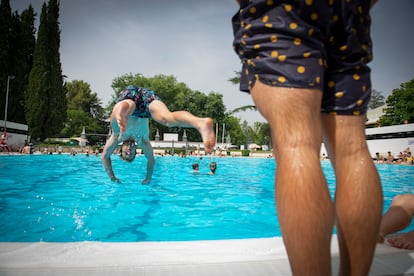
pixel 398 216
pixel 358 199
pixel 304 206
pixel 161 113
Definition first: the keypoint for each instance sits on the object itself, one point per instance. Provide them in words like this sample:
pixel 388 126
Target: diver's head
pixel 213 167
pixel 128 150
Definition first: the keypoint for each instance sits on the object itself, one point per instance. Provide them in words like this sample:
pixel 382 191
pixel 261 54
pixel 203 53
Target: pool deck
pixel 249 257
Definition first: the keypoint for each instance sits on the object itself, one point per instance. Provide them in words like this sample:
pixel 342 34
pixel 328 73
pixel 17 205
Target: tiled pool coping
pixel 253 257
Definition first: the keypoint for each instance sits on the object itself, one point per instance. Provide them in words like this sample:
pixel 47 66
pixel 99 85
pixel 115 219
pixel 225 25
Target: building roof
pixel 373 115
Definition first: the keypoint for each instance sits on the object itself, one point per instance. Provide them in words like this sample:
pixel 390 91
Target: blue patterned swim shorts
pixel 310 44
pixel 142 98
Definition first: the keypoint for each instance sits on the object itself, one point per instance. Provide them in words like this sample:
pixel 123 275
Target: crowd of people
pixel 404 157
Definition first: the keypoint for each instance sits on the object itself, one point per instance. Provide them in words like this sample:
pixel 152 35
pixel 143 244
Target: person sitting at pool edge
pixel 130 123
pixel 396 218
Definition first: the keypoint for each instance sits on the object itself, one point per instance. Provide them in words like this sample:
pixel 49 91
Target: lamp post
pixel 7 101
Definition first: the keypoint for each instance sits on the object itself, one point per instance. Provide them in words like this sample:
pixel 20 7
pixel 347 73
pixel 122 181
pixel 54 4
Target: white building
pixel 390 138
pixel 384 139
pixel 17 133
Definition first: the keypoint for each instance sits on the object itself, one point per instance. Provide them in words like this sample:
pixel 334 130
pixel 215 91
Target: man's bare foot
pixel 121 121
pixel 404 241
pixel 380 238
pixel 207 134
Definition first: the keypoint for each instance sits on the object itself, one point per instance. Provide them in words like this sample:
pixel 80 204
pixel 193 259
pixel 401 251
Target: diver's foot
pixel 207 133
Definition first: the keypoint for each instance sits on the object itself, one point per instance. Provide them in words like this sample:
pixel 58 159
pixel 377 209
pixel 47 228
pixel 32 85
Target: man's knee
pixel 406 201
pixel 165 118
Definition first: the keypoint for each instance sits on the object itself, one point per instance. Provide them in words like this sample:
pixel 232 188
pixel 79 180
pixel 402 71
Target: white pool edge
pixel 97 256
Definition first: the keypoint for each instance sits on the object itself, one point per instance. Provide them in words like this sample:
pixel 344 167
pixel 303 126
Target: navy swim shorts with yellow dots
pixel 142 98
pixel 310 44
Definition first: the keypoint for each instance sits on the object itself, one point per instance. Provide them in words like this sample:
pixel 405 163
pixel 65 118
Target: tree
pixel 22 53
pixel 5 49
pixel 377 99
pixel 36 95
pixel 400 106
pixel 248 136
pixel 233 128
pixel 84 110
pixel 17 42
pixel 262 133
pixel 46 96
pixel 57 93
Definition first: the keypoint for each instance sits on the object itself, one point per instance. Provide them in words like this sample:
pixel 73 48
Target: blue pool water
pixel 62 198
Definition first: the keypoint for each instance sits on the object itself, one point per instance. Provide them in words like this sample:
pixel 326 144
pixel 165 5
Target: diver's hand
pixel 115 179
pixel 146 181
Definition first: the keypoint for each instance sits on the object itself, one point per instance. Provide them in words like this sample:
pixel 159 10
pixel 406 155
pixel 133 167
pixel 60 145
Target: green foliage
pixel 77 120
pixel 243 109
pixel 81 97
pixel 259 133
pixel 248 133
pixel 5 49
pixel 46 97
pixel 56 93
pixel 245 152
pixel 36 97
pixel 400 106
pixel 262 135
pixel 213 106
pixel 17 42
pixel 84 111
pixel 234 129
pixel 23 60
pixel 236 78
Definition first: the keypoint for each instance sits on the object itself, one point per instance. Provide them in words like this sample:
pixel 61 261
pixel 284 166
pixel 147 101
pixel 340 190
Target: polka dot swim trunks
pixel 310 44
pixel 142 98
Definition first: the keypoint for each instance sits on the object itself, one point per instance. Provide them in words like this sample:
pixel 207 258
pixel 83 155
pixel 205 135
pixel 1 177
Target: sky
pixel 192 40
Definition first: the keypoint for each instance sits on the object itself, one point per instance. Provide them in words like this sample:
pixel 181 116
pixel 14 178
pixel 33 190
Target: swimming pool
pixel 63 198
